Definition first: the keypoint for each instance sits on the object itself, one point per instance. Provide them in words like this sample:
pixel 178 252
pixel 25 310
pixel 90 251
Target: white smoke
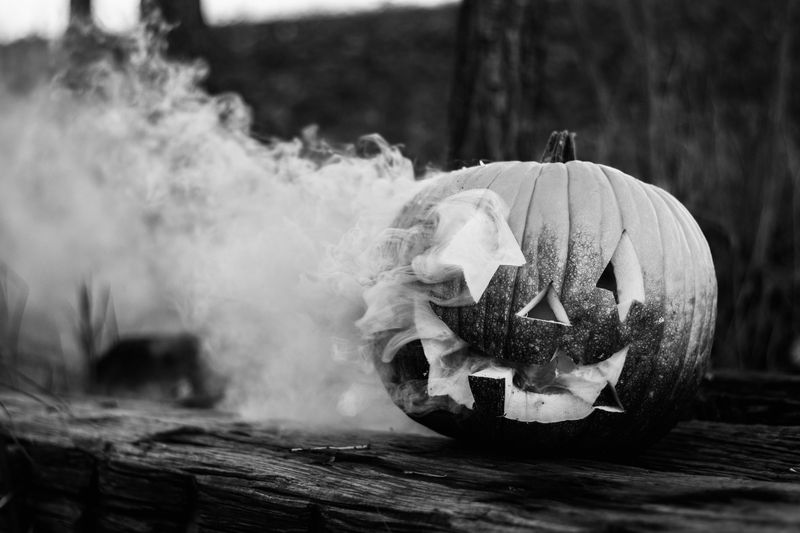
pixel 445 252
pixel 145 184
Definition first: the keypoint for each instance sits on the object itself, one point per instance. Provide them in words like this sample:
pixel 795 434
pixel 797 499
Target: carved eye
pixel 608 281
pixel 622 276
pixel 545 307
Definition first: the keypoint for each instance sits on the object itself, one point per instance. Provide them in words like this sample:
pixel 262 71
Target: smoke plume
pixel 125 173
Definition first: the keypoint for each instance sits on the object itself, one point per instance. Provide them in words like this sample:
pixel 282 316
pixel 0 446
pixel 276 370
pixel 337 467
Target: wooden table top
pixel 97 465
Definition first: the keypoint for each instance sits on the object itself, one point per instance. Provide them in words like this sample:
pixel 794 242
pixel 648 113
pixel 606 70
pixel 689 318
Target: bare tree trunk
pixel 190 36
pixel 496 88
pixel 80 10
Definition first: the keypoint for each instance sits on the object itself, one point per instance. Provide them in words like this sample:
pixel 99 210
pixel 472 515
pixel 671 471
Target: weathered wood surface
pixel 140 467
pixel 750 398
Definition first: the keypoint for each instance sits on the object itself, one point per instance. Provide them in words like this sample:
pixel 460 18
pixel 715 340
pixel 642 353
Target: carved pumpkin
pixel 543 306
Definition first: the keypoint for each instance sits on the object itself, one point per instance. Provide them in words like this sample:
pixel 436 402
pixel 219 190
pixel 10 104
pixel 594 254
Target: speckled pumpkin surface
pixel 594 343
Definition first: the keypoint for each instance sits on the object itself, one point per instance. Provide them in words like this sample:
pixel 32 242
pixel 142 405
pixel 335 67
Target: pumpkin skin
pixel 570 219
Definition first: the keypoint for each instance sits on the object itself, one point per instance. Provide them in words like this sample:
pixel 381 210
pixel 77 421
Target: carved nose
pixel 545 307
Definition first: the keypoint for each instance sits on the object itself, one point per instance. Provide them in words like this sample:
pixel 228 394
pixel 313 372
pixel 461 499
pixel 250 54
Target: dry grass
pixel 13 298
pixel 97 324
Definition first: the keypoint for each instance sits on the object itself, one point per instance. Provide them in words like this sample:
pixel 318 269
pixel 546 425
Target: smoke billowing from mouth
pixel 445 249
pixel 140 181
pixel 445 252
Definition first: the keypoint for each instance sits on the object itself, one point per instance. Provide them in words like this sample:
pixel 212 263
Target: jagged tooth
pixel 608 400
pixel 489 394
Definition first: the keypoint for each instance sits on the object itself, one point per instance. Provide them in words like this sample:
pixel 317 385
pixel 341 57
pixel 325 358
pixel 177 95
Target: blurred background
pixel 700 98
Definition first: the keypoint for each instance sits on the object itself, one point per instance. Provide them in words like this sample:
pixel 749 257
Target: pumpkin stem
pixel 560 147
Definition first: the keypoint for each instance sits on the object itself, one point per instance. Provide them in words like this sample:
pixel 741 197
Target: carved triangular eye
pixel 545 307
pixel 623 276
pixel 608 281
pixel 542 311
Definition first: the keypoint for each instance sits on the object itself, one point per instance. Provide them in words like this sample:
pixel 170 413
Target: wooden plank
pixel 749 398
pixel 142 467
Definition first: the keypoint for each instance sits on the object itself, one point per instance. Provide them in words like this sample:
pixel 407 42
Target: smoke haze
pixel 138 181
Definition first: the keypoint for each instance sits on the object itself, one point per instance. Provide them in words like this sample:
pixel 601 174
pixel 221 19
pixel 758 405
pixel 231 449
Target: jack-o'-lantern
pixel 543 306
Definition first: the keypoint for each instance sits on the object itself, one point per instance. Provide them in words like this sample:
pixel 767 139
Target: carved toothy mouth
pixel 572 395
pixel 556 391
pixel 467 236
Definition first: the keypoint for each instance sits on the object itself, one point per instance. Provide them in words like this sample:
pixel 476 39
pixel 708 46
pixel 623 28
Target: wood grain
pixel 750 398
pixel 135 466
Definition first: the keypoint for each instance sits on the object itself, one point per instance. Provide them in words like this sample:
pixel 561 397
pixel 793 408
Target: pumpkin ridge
pixel 617 208
pixel 701 290
pixel 709 275
pixel 691 240
pixel 659 404
pixel 689 288
pixel 610 203
pixel 487 306
pixel 513 304
pixel 652 362
pixel 569 236
pixel 587 233
pixel 468 186
pixel 643 188
pixel 440 188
